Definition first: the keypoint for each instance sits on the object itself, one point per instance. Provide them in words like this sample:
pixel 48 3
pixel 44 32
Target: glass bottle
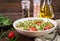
pixel 25 8
pixel 46 10
pixel 36 4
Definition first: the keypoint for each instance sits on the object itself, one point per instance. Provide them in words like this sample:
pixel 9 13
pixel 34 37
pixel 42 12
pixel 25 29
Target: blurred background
pixel 13 6
pixel 13 9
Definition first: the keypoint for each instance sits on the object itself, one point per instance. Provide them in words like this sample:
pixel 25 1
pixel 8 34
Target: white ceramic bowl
pixel 58 22
pixel 34 33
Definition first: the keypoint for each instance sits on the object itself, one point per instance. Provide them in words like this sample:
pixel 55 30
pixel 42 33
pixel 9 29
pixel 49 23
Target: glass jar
pixel 25 8
pixel 36 4
pixel 46 10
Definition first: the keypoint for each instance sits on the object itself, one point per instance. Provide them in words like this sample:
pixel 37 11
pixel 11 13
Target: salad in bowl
pixel 34 27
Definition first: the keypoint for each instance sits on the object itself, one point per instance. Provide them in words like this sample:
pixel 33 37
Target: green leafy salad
pixel 4 21
pixel 35 25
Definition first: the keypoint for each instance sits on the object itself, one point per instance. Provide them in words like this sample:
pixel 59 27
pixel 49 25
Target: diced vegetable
pixel 32 29
pixel 38 23
pixel 47 27
pixel 34 25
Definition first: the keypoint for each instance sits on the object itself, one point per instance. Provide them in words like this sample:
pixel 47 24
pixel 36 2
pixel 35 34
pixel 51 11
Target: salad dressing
pixel 46 10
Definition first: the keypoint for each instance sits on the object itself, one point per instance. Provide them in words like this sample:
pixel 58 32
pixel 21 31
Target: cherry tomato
pixel 32 29
pixel 38 23
pixel 47 27
pixel 11 35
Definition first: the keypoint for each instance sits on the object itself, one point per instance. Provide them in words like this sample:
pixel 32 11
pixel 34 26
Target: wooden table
pixel 15 16
pixel 20 37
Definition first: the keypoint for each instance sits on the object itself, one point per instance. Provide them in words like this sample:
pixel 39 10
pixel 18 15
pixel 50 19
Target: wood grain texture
pixel 13 6
pixel 20 37
pixel 15 16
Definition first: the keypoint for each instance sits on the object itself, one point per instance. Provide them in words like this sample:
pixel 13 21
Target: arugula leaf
pixel 5 21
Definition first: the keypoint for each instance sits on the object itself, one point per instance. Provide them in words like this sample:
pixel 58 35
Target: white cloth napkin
pixel 47 37
pixel 43 39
